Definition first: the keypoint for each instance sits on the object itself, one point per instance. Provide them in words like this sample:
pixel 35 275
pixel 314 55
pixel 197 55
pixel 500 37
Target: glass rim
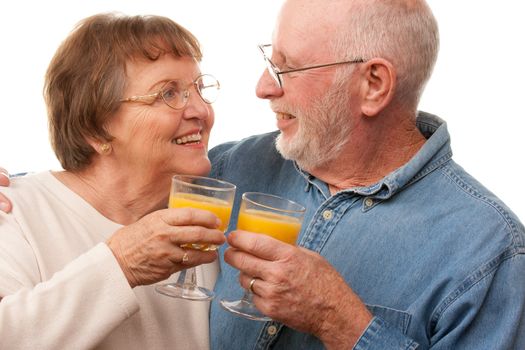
pixel 228 186
pixel 302 209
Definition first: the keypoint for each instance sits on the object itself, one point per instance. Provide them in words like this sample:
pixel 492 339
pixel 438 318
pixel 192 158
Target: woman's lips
pixel 190 138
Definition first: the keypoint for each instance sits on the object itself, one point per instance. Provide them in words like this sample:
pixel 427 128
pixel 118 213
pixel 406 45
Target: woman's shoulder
pixel 36 192
pixel 33 183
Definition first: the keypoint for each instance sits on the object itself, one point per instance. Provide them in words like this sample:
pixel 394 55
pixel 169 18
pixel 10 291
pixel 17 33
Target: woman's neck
pixel 121 197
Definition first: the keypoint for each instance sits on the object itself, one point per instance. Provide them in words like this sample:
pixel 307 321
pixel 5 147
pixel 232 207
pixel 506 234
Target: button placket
pixel 327 214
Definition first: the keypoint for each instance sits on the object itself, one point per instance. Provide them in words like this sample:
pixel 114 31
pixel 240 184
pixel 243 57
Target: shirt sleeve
pixel 380 335
pixel 486 312
pixel 75 308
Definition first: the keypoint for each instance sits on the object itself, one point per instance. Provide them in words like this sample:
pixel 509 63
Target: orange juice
pixel 217 206
pixel 282 227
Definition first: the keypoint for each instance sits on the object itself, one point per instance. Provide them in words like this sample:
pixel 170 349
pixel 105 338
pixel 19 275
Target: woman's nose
pixel 196 107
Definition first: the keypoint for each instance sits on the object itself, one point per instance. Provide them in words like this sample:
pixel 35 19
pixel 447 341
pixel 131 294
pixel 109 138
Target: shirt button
pixel 327 214
pixel 271 330
pixel 369 202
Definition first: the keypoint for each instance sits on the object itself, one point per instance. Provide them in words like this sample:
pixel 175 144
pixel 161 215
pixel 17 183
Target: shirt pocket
pixel 395 318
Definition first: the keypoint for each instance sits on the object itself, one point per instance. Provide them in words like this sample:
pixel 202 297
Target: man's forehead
pixel 299 24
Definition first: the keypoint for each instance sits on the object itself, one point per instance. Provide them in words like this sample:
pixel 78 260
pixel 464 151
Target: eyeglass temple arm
pixel 139 98
pixel 358 60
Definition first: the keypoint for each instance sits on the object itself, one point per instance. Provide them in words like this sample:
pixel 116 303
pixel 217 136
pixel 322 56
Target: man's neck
pixel 371 156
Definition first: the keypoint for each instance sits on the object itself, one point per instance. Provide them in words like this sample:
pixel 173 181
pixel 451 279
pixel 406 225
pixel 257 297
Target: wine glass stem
pixel 248 297
pixel 187 278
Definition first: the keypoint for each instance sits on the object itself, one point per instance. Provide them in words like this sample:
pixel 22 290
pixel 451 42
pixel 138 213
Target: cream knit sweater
pixel 63 289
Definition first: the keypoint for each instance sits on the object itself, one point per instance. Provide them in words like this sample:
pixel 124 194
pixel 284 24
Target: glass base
pixel 182 291
pixel 245 309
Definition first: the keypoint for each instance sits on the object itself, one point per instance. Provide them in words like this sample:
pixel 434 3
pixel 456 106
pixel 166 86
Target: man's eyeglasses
pixel 276 73
pixel 176 93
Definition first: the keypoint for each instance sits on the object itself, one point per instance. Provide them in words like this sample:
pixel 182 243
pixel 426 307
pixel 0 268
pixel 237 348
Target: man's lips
pixel 284 116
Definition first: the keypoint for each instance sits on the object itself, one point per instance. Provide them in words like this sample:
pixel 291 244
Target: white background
pixel 477 84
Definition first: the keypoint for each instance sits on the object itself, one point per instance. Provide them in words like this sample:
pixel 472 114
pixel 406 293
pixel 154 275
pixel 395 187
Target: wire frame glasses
pixel 176 93
pixel 276 73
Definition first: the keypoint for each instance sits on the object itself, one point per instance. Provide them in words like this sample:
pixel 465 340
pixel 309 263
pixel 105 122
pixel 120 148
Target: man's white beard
pixel 322 132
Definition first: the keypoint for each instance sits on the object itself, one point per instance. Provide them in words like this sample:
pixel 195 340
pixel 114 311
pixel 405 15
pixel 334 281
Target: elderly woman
pixel 128 108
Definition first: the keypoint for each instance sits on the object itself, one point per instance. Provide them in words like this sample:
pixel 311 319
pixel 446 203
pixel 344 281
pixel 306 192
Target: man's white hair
pixel 404 32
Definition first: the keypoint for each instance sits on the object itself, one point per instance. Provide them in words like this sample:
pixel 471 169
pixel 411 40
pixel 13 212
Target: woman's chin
pixel 200 168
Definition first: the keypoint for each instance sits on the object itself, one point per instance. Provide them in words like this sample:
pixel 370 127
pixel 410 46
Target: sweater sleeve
pixel 75 308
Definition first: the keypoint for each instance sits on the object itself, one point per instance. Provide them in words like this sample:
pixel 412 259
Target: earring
pixel 105 148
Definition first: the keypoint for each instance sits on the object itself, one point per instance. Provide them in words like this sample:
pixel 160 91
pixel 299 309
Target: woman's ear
pixel 378 87
pixel 102 147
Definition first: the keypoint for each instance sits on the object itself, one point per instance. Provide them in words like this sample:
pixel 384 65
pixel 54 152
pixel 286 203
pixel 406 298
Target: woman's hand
pixel 150 250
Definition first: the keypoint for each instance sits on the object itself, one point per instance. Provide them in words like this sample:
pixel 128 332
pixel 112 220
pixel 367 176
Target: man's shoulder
pixel 251 143
pixel 252 157
pixel 250 148
pixel 474 206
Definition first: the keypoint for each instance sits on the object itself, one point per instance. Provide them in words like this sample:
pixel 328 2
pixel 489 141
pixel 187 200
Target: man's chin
pixel 299 153
pixel 286 147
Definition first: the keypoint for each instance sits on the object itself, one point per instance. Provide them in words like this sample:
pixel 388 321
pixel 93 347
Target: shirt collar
pixel 435 152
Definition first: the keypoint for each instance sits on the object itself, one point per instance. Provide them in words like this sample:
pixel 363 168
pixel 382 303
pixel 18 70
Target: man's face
pixel 321 132
pixel 312 105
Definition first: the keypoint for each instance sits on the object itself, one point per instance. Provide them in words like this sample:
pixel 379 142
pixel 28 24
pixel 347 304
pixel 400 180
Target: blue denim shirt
pixel 437 258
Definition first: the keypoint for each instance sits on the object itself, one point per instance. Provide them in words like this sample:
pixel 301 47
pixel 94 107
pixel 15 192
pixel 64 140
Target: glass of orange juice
pixel 273 216
pixel 201 193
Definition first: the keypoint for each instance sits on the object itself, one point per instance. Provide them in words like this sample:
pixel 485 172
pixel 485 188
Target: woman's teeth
pixel 284 116
pixel 193 138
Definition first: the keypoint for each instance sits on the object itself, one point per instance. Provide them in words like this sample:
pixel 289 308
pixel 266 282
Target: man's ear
pixel 378 86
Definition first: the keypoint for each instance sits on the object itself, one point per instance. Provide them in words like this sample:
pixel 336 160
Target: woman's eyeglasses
pixel 176 93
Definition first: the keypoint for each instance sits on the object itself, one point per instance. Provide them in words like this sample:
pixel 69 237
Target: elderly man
pixel 400 247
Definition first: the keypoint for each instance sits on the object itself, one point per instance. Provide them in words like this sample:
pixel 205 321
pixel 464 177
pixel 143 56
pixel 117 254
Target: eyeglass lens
pixel 267 53
pixel 175 94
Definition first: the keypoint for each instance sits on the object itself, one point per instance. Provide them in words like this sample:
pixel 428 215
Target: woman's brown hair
pixel 86 78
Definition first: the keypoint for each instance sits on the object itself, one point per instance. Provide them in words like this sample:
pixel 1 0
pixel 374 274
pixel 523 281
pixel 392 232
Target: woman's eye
pixel 170 91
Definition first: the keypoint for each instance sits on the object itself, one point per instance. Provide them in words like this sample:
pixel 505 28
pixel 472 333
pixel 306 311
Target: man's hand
pixel 299 288
pixel 149 250
pixel 5 204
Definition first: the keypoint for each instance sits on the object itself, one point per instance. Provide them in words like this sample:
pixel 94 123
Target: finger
pixel 260 245
pixel 181 235
pixel 257 286
pixel 179 256
pixel 4 177
pixel 191 258
pixel 190 216
pixel 5 204
pixel 247 264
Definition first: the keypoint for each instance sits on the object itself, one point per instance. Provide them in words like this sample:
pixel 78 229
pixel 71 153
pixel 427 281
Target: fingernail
pixel 5 173
pixel 218 222
pixel 3 206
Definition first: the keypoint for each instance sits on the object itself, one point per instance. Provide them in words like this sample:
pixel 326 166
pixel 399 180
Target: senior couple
pixel 400 247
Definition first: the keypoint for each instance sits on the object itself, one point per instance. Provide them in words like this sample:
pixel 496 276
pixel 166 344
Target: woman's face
pixel 154 139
